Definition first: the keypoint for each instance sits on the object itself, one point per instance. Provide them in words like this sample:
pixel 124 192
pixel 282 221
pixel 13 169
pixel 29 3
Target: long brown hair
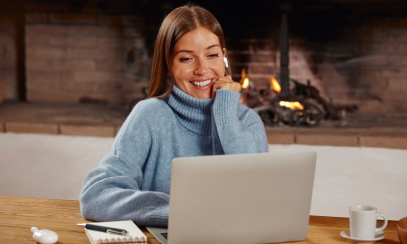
pixel 177 23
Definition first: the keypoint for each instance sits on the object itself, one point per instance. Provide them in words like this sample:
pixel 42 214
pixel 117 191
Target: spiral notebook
pixel 135 235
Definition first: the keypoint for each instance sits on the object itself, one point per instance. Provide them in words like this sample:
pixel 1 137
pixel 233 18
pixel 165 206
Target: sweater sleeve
pixel 111 191
pixel 237 133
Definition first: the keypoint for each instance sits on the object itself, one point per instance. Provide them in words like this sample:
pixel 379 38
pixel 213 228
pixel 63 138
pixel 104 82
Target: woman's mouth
pixel 202 84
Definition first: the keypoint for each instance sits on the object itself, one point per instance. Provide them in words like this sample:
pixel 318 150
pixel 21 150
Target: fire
pixel 277 88
pixel 291 105
pixel 245 83
pixel 243 75
pixel 274 85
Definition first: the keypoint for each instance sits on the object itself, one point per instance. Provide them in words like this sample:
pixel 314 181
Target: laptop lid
pixel 245 198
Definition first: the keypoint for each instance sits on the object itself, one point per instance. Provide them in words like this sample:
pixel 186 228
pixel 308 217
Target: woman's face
pixel 197 61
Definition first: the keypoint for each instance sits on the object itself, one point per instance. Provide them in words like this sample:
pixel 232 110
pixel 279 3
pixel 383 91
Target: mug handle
pixel 384 224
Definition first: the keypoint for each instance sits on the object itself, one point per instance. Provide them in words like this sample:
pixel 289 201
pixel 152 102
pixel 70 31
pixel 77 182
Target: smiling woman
pixel 192 109
pixel 188 31
pixel 197 64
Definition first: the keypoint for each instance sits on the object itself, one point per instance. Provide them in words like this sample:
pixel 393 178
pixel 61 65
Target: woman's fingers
pixel 225 83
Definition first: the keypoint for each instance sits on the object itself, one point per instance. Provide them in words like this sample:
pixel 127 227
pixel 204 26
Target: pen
pixel 105 229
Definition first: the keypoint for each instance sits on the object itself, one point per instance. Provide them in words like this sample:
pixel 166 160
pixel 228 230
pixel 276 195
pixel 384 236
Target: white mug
pixel 362 220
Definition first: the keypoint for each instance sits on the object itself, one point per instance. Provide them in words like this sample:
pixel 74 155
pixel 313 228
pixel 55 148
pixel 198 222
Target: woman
pixel 192 110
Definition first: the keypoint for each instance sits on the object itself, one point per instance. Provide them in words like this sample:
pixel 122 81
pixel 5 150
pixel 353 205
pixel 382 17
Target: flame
pixel 243 74
pixel 245 83
pixel 245 80
pixel 274 85
pixel 292 105
pixel 241 100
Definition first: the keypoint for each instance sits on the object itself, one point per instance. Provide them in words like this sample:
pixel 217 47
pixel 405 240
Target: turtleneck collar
pixel 193 113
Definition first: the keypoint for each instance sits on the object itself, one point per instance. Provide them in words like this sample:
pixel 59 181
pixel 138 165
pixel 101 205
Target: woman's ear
pixel 226 61
pixel 225 58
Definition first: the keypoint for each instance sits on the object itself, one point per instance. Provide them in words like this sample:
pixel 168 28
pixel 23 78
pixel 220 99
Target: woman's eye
pixel 214 55
pixel 184 59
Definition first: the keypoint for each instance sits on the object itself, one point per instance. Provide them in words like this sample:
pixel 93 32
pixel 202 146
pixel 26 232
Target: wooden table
pixel 19 214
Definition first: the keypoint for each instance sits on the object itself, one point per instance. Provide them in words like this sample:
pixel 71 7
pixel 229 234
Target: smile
pixel 201 83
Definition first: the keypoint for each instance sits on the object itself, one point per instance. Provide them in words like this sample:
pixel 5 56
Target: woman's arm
pixel 237 133
pixel 112 190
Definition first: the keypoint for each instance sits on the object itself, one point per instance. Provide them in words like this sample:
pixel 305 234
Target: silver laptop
pixel 245 198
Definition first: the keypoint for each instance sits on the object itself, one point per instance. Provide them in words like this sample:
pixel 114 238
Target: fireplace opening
pixel 289 101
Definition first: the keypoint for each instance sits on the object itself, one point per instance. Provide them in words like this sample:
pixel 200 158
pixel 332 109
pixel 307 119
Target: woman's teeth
pixel 201 83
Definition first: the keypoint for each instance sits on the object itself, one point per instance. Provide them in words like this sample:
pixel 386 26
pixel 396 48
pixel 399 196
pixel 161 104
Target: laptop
pixel 244 198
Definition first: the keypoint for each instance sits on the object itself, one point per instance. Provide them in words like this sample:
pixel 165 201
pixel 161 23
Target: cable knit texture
pixel 133 180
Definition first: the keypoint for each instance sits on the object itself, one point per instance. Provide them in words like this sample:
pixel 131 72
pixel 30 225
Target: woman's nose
pixel 201 67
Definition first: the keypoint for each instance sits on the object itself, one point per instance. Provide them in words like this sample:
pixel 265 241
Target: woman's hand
pixel 225 83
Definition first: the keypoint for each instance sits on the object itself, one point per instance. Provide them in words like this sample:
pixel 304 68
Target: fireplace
pixel 352 52
pixel 294 103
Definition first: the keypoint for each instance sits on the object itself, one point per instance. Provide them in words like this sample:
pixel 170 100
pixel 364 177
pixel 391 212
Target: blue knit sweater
pixel 133 180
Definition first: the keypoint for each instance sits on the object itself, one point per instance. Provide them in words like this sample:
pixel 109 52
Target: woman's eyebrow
pixel 184 51
pixel 190 51
pixel 212 46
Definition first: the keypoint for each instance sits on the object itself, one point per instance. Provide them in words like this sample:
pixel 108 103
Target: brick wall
pixel 11 58
pixel 74 58
pixel 8 60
